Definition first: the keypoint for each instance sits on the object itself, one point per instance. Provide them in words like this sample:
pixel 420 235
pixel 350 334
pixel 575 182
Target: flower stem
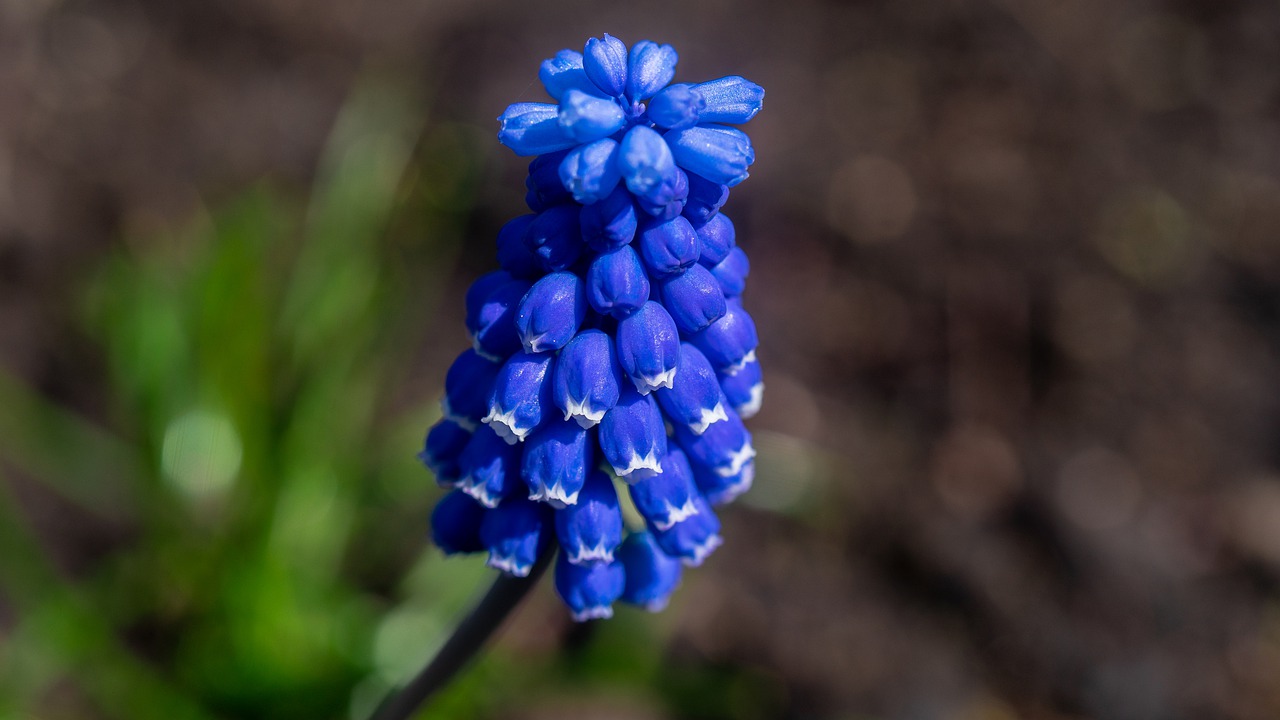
pixel 466 641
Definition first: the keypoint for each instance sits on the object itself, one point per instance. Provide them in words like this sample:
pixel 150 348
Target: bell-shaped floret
pixel 677 106
pixel 605 61
pixel 647 166
pixel 633 437
pixel 651 574
pixel 495 335
pixel 565 72
pixel 648 347
pixel 514 255
pixel 694 401
pixel 587 118
pixel 555 238
pixel 490 468
pixel 716 237
pixel 732 273
pixel 650 67
pixel 668 247
pixel 616 283
pixel 693 298
pixel 455 524
pixel 543 182
pixel 718 153
pixel 733 100
pixel 589 590
pixel 521 397
pixel 467 385
pixel 515 533
pixel 557 457
pixel 591 529
pixel 705 199
pixel 441 450
pixel 480 291
pixel 744 389
pixel 720 489
pixel 610 223
pixel 730 342
pixel 724 447
pixel 533 129
pixel 694 539
pixel 590 172
pixel 669 208
pixel 588 378
pixel 549 315
pixel 668 497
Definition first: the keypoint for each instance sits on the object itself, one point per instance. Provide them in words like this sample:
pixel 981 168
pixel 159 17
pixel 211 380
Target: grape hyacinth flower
pixel 611 352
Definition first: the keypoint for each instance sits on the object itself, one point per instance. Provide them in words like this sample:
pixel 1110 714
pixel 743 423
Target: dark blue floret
pixel 716 238
pixel 455 524
pixel 495 336
pixel 651 574
pixel 668 497
pixel 557 458
pixel 588 379
pixel 441 450
pixel 514 255
pixel 479 292
pixel 515 533
pixel 589 590
pixel 489 467
pixel 554 237
pixel 694 401
pixel 633 438
pixel 693 298
pixel 550 313
pixel 616 283
pixel 543 182
pixel 724 447
pixel 730 342
pixel 705 199
pixel 591 529
pixel 694 539
pixel 744 389
pixel 649 347
pixel 611 223
pixel 466 388
pixel 668 247
pixel 732 273
pixel 590 172
pixel 521 397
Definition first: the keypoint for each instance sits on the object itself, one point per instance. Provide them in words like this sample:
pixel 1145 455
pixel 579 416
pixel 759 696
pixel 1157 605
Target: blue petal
pixel 606 64
pixel 515 533
pixel 718 153
pixel 555 238
pixel 616 283
pixel 521 398
pixel 495 336
pixel 610 223
pixel 694 401
pixel 649 347
pixel 716 237
pixel 590 172
pixel 585 118
pixel 669 208
pixel 678 106
pixel 490 468
pixel 556 459
pixel 650 68
pixel 724 448
pixel 730 342
pixel 549 314
pixel 651 574
pixel 647 165
pixel 668 497
pixel 543 182
pixel 745 389
pixel 514 255
pixel 533 129
pixel 633 437
pixel 589 590
pixel 441 450
pixel 466 387
pixel 732 273
pixel 720 489
pixel 693 298
pixel 705 199
pixel 590 530
pixel 667 247
pixel 694 539
pixel 731 99
pixel 479 292
pixel 455 524
pixel 565 72
pixel 588 378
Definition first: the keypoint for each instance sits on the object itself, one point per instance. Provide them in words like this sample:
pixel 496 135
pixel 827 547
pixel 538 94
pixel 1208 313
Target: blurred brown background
pixel 1015 265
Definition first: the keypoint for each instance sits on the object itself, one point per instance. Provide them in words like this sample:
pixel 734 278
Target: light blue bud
pixel 668 497
pixel 647 165
pixel 745 389
pixel 732 273
pixel 586 117
pixel 590 172
pixel 521 398
pixel 591 529
pixel 650 68
pixel 565 72
pixel 470 379
pixel 718 153
pixel 694 401
pixel 694 539
pixel 610 223
pixel 651 575
pixel 441 450
pixel 677 106
pixel 514 255
pixel 720 489
pixel 667 247
pixel 606 64
pixel 616 283
pixel 633 437
pixel 455 524
pixel 555 238
pixel 549 314
pixel 515 533
pixel 496 337
pixel 589 590
pixel 730 342
pixel 731 99
pixel 705 199
pixel 724 447
pixel 557 457
pixel 490 468
pixel 648 347
pixel 479 291
pixel 716 237
pixel 543 182
pixel 533 129
pixel 693 298
pixel 588 378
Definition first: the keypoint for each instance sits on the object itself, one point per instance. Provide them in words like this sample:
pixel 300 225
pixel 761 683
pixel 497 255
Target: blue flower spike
pixel 612 344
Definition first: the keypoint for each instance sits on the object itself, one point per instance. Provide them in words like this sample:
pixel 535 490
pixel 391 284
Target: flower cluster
pixel 613 336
